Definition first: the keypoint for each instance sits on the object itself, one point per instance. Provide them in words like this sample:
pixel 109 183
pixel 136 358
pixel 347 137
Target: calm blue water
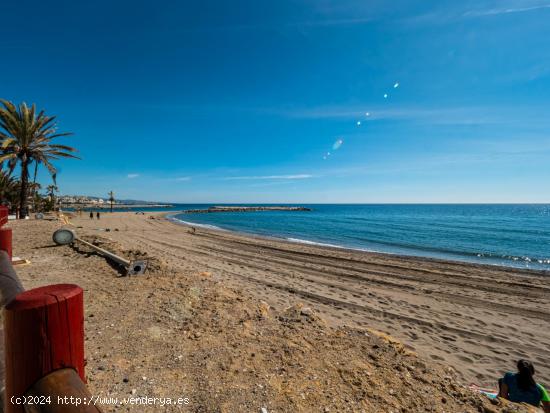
pixel 510 235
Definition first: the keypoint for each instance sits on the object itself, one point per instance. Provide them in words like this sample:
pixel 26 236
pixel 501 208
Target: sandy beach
pixel 211 319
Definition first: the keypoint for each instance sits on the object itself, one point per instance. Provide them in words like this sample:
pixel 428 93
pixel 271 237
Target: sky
pixel 241 101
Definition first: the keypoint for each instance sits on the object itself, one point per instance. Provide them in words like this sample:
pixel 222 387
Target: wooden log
pixel 44 331
pixel 60 392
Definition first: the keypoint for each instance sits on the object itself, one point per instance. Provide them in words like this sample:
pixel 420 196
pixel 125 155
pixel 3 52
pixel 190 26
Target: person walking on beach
pixel 91 214
pixel 520 387
pixel 97 215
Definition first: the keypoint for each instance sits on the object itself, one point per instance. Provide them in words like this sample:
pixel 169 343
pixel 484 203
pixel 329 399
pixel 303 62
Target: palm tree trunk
pixel 34 187
pixel 24 187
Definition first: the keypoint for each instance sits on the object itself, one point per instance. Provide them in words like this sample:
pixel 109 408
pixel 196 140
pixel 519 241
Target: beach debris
pixel 299 313
pixel 66 236
pixel 264 410
pixel 19 261
pixel 264 309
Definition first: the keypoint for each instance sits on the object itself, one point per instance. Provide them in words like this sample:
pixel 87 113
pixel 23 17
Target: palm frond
pixel 26 136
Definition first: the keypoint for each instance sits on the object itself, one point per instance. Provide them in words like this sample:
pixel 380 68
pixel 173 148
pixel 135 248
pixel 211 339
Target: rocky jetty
pixel 245 209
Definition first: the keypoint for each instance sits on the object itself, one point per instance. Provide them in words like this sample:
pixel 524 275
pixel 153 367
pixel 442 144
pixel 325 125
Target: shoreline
pixel 170 217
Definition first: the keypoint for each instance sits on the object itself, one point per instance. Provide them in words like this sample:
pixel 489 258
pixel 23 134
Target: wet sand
pixel 478 319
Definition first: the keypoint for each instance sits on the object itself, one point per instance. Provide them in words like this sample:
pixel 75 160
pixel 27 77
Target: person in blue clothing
pixel 521 387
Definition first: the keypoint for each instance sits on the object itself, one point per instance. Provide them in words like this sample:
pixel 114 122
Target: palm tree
pixel 51 190
pixel 33 188
pixel 26 138
pixel 9 188
pixel 111 199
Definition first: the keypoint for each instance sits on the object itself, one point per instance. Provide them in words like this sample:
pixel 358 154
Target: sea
pixel 510 235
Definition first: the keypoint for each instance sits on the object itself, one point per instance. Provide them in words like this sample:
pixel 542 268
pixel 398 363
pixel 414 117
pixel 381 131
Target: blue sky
pixel 216 101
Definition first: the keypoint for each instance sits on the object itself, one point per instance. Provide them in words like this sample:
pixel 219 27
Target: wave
pixel 417 251
pixel 344 247
pixel 194 224
pixel 321 244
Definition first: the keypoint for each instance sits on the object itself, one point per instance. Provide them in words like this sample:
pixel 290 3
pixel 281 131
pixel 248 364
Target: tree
pixel 9 188
pixel 111 199
pixel 33 188
pixel 51 190
pixel 26 137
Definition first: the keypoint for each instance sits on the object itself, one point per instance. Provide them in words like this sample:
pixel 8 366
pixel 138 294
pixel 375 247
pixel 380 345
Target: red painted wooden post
pixel 5 241
pixel 5 233
pixel 44 331
pixel 3 215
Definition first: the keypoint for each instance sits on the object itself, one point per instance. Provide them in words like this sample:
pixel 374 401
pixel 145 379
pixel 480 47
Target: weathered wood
pixel 44 331
pixel 5 241
pixel 54 393
pixel 3 215
pixel 5 233
pixel 10 286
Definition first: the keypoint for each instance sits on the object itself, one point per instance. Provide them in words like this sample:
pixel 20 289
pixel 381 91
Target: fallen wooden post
pixel 66 236
pixel 66 392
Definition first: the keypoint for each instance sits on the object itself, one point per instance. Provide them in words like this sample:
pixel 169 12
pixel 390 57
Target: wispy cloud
pixel 132 176
pixel 267 177
pixel 459 115
pixel 183 179
pixel 505 10
pixel 457 12
pixel 452 115
pixel 271 183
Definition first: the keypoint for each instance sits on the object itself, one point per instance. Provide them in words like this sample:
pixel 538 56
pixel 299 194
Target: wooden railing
pixel 43 349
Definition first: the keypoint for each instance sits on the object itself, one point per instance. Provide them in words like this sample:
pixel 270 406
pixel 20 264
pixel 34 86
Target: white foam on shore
pixel 342 247
pixel 305 241
pixel 194 224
